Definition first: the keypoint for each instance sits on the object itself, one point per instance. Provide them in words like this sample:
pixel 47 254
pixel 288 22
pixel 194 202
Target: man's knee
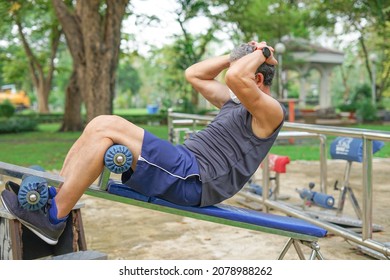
pixel 103 124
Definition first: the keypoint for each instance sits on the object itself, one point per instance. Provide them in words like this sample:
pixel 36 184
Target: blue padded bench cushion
pixel 228 212
pixel 351 149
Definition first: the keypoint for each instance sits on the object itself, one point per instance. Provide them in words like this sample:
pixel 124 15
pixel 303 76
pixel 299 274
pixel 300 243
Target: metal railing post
pixel 170 125
pixel 265 180
pixel 323 164
pixel 367 189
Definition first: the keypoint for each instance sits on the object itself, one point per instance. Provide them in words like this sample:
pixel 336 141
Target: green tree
pixel 128 80
pixel 266 20
pixel 370 20
pixel 38 33
pixel 190 48
pixel 14 67
pixel 171 83
pixel 164 67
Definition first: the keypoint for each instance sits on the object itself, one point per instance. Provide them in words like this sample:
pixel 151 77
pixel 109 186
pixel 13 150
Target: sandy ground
pixel 132 233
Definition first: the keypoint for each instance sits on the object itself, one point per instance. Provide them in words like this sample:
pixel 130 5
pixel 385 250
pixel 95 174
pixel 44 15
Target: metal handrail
pixel 337 131
pixel 367 137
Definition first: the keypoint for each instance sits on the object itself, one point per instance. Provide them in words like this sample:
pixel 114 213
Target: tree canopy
pixel 38 36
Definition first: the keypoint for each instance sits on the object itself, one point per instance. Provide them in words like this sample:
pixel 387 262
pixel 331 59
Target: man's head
pixel 267 70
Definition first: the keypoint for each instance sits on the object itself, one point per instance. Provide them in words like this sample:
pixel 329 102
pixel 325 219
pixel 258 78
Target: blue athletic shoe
pixel 37 221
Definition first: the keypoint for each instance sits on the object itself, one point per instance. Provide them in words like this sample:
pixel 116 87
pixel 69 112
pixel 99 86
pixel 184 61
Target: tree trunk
pixel 72 120
pixel 72 117
pixel 42 82
pixel 93 40
pixel 101 43
pixel 43 89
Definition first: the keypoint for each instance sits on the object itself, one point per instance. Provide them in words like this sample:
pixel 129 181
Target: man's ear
pixel 259 78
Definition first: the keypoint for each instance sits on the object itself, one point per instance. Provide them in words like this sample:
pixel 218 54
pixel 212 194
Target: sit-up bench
pixel 298 231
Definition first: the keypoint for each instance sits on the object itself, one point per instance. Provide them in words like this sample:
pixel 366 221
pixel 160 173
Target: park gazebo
pixel 303 56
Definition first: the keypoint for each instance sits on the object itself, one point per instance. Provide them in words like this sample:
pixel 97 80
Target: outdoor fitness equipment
pixel 351 150
pixel 311 197
pixel 118 159
pixel 344 148
pixel 33 193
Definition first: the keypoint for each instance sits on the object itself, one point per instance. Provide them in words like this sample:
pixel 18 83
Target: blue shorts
pixel 166 171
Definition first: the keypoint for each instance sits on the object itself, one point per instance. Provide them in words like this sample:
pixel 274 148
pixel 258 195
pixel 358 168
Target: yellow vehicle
pixel 18 98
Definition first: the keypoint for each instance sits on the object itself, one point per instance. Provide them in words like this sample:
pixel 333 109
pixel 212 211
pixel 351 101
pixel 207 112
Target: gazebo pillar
pixel 303 92
pixel 325 98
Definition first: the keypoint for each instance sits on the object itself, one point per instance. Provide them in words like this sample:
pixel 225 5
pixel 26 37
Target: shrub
pixel 347 107
pixel 16 124
pixel 367 111
pixel 7 110
pixel 358 97
pixel 361 93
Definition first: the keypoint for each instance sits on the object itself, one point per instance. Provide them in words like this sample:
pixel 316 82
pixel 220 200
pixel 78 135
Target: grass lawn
pixel 131 111
pixel 48 148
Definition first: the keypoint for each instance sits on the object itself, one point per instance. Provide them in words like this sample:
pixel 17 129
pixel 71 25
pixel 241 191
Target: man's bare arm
pixel 240 78
pixel 202 77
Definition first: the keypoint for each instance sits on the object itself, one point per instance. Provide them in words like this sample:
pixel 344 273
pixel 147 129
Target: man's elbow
pixel 190 74
pixel 231 77
pixel 234 78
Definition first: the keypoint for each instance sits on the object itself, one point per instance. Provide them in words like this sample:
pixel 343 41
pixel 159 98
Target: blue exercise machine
pixel 350 150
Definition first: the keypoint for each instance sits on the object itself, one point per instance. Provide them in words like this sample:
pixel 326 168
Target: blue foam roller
pixel 257 189
pixel 306 194
pixel 323 200
pixel 118 159
pixel 33 193
pixel 320 199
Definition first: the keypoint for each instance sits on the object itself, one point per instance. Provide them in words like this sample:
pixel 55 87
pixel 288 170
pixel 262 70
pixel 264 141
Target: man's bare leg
pixel 84 161
pixel 82 166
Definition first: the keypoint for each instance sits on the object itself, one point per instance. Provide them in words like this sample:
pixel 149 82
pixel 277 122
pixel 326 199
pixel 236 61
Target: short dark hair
pixel 267 70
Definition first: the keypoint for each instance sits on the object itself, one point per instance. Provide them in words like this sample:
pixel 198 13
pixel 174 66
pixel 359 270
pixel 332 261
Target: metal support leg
pixel 313 245
pixel 355 203
pixel 340 207
pixel 285 249
pixel 344 188
pixel 347 190
pixel 315 250
pixel 277 185
pixel 266 183
pixel 298 249
pixel 103 179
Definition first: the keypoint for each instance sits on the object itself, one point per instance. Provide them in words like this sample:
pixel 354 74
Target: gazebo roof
pixel 302 49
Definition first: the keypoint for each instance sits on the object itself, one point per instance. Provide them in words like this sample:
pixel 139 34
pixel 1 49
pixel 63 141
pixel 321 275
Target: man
pixel 210 167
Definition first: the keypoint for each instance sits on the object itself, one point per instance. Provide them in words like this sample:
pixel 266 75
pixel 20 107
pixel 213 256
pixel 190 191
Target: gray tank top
pixel 228 153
